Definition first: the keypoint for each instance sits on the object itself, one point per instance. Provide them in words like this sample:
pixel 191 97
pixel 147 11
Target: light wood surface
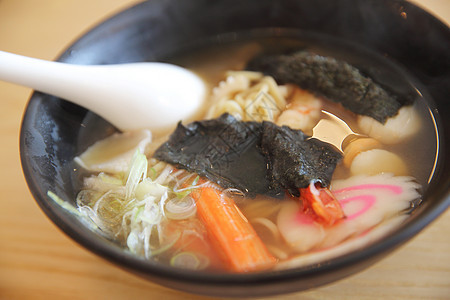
pixel 37 261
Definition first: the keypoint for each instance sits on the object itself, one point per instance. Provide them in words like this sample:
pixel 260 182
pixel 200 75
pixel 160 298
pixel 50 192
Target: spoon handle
pixel 84 85
pixel 41 75
pixel 130 96
pixel 99 88
pixel 103 89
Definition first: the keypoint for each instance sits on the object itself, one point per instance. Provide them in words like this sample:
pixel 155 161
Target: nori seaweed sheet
pixel 256 158
pixel 222 149
pixel 295 159
pixel 331 78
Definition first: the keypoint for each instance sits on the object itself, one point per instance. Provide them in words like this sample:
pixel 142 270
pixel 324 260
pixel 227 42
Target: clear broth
pixel 234 51
pixel 211 59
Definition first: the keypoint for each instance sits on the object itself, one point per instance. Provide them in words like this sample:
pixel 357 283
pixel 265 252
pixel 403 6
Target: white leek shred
pixel 180 209
pixel 138 171
pixel 133 242
pixel 148 187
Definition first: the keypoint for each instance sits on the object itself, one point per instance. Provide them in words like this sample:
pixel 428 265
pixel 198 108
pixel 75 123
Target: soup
pixel 205 205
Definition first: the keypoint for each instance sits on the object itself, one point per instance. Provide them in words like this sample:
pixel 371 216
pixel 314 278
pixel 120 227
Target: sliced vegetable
pixel 137 172
pixel 179 209
pixel 231 234
pixel 189 260
pixel 193 239
pixel 147 188
pixel 185 260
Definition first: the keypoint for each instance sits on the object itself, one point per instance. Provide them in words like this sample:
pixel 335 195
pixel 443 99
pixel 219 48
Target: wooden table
pixel 37 261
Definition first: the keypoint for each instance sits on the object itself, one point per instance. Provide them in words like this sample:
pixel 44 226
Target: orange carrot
pixel 231 234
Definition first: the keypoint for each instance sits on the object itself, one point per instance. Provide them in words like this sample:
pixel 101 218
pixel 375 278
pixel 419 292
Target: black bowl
pixel 54 131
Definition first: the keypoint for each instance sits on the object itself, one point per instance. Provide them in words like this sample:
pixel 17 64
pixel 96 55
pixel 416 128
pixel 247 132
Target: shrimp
pixel 322 204
pixel 303 223
pixel 303 111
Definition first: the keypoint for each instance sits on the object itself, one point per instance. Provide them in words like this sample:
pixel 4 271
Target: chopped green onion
pixel 180 209
pixel 153 176
pixel 185 260
pixel 190 260
pixel 138 212
pixel 167 246
pixel 181 195
pixel 195 180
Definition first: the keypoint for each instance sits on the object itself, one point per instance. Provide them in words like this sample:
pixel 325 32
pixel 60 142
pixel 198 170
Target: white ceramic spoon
pixel 130 96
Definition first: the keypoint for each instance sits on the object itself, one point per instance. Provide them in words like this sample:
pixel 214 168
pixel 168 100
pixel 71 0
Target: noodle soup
pixel 217 217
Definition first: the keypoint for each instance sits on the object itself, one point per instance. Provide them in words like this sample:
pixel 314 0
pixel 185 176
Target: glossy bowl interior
pixel 55 131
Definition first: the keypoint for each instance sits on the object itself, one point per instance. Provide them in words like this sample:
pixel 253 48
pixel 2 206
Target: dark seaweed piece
pixel 334 79
pixel 295 159
pixel 223 150
pixel 256 158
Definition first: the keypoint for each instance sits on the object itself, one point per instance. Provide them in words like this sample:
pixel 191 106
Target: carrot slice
pixel 231 234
